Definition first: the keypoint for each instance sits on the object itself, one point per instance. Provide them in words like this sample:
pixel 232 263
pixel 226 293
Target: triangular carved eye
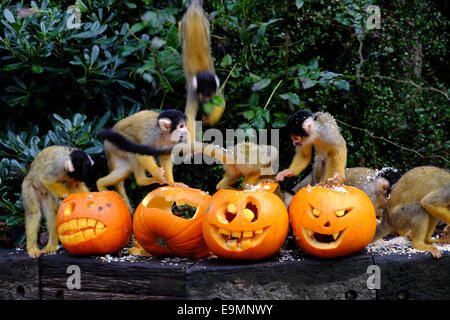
pixel 314 212
pixel 342 212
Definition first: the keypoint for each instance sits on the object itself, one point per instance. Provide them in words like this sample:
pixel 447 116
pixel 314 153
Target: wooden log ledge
pixel 289 274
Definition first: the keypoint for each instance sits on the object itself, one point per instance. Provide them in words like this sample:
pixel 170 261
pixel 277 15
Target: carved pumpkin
pixel 93 223
pixel 246 225
pixel 332 221
pixel 162 233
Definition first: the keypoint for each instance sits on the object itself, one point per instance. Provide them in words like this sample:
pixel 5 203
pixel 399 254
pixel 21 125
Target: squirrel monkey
pixel 54 173
pixel 417 200
pixel 377 184
pixel 202 81
pixel 321 131
pixel 132 143
pixel 246 159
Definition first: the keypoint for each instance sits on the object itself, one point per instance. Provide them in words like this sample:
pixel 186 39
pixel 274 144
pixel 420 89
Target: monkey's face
pixel 82 167
pixel 174 123
pixel 300 126
pixel 206 85
pixel 298 141
pixel 180 133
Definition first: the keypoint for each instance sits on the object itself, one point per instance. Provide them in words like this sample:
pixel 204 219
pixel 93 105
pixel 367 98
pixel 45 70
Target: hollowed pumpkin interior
pixel 181 208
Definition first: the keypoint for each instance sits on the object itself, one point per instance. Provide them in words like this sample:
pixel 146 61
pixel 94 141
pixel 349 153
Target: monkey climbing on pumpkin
pixel 318 130
pixel 54 173
pixel 132 144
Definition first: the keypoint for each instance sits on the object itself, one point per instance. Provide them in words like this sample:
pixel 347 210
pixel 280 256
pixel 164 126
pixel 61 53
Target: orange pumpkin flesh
pixel 162 233
pixel 93 223
pixel 246 225
pixel 268 186
pixel 332 221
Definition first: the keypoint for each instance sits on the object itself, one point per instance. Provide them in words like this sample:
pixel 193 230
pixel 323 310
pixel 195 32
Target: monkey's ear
pixel 69 166
pixel 165 124
pixel 194 83
pixel 383 185
pixel 217 81
pixel 308 124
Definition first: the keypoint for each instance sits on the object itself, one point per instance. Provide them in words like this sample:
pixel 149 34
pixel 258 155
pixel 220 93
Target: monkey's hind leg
pixel 116 178
pixel 50 206
pixel 32 209
pixel 227 181
pixel 123 193
pixel 383 229
pixel 413 217
pixel 437 203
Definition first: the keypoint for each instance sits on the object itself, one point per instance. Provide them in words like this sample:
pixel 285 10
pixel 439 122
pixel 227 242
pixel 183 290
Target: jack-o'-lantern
pixel 93 223
pixel 247 225
pixel 168 222
pixel 332 221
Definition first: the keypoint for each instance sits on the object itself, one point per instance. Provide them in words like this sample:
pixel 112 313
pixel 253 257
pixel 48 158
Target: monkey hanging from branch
pixel 201 79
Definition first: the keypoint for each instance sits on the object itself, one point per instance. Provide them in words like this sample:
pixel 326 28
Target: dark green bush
pixel 386 88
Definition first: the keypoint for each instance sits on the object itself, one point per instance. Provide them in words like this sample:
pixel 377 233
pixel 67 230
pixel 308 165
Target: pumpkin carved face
pixel 93 223
pixel 332 221
pixel 160 232
pixel 245 225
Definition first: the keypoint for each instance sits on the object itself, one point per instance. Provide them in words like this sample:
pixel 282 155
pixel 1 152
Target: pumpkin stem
pixel 162 242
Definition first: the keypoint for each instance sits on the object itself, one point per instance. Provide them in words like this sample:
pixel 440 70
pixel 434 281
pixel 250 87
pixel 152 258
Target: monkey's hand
pixel 283 174
pixel 336 179
pixel 160 175
pixel 181 184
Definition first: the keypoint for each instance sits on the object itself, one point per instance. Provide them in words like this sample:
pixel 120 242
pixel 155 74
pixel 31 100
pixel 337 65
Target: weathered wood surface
pixel 302 277
pixel 419 277
pixel 307 279
pixel 19 276
pixel 152 278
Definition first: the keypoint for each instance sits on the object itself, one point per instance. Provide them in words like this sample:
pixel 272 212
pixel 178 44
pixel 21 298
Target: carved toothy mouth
pixel 238 240
pixel 79 230
pixel 323 241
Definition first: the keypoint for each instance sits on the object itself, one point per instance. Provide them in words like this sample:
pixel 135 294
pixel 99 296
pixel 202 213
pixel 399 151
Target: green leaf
pixel 138 27
pixel 218 101
pixel 12 66
pixel 261 84
pixel 342 85
pixel 9 16
pixel 126 84
pixel 226 61
pixel 208 107
pixel 37 68
pixel 94 54
pixel 293 98
pixel 299 3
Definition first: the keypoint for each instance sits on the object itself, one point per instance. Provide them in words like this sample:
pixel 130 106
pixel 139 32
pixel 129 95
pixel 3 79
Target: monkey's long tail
pixel 125 144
